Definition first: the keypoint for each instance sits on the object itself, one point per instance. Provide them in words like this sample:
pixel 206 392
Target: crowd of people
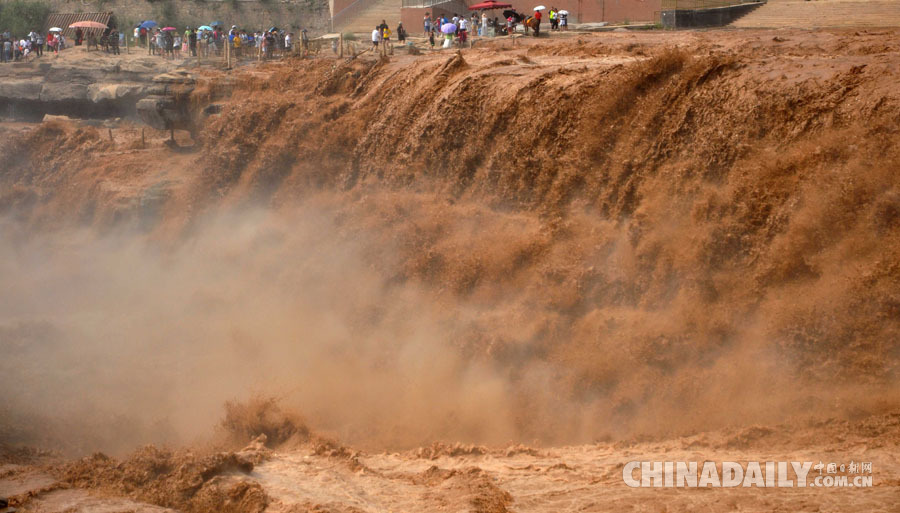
pixel 458 28
pixel 167 43
pixel 206 41
pixel 381 35
pixel 209 41
pixel 437 27
pixel 32 46
pixel 14 49
pixel 483 25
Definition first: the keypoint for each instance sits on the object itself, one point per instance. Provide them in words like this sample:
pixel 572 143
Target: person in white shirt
pixel 463 30
pixel 376 38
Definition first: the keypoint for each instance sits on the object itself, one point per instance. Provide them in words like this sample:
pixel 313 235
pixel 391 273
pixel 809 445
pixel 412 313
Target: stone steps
pixel 823 13
pixel 365 21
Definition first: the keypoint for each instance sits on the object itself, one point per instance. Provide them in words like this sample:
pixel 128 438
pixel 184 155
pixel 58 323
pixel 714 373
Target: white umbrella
pixel 56 29
pixel 564 12
pixel 539 8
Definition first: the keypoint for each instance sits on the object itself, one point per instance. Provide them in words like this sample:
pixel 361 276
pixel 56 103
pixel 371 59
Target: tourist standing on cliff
pixel 463 31
pixel 33 37
pixel 192 42
pixel 386 38
pixel 376 38
pixel 156 43
pixel 113 42
pixel 240 41
pixel 169 39
pixel 270 44
pixel 5 47
pixel 54 41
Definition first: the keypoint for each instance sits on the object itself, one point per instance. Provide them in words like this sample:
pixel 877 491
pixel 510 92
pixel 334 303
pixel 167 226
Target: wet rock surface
pixel 80 86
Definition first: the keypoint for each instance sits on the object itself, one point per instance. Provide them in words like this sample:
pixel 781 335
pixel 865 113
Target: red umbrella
pixel 489 4
pixel 169 28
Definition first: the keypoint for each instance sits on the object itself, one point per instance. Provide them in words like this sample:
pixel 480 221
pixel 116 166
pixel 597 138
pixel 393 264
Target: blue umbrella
pixel 448 28
pixel 217 24
pixel 147 24
pixel 205 27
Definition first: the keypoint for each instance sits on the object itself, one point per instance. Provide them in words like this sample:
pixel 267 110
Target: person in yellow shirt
pixel 386 38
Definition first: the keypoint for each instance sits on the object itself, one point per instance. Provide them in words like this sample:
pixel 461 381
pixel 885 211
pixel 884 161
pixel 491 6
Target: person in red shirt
pixel 537 23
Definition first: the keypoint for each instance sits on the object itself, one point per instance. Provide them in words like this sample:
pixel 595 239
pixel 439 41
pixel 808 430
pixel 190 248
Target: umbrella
pixel 217 24
pixel 55 29
pixel 147 24
pixel 539 8
pixel 564 12
pixel 489 4
pixel 448 28
pixel 205 27
pixel 87 24
pixel 170 28
pixel 273 29
pixel 513 14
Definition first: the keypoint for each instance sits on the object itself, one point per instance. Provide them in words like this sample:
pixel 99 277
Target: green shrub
pixel 20 17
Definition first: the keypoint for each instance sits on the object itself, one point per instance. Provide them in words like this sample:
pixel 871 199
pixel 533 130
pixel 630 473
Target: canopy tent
pixel 489 4
pixel 66 20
